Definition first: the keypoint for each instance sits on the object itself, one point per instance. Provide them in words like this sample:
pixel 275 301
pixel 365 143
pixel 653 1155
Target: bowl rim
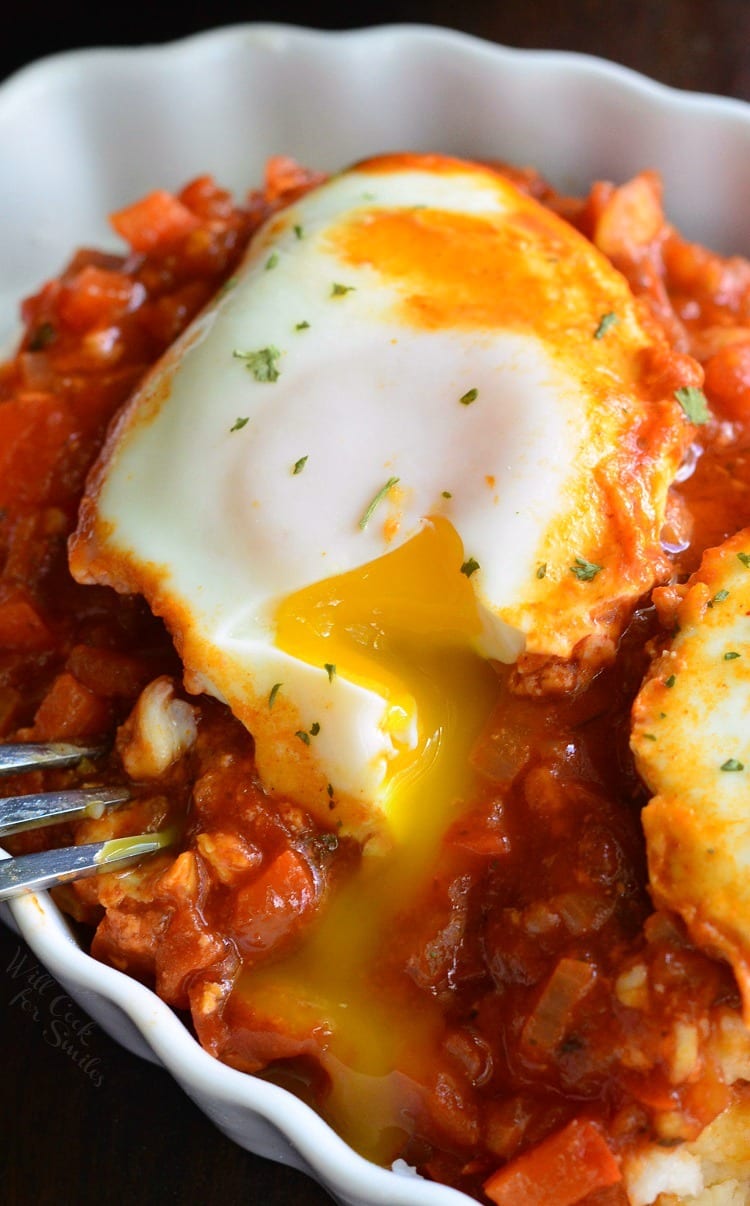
pixel 594 66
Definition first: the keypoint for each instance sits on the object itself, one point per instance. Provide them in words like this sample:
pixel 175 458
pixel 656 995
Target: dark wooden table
pixel 100 1125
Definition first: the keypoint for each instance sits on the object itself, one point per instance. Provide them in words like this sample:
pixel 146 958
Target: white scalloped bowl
pixel 82 134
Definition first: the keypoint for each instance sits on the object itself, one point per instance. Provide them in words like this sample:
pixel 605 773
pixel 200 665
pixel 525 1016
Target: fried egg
pixel 420 431
pixel 691 740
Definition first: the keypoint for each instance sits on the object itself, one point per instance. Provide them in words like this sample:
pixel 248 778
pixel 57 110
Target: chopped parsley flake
pixel 338 290
pixel 329 789
pixel 262 364
pixel 719 597
pixel 470 396
pixel 605 322
pixel 44 335
pixel 302 326
pixel 239 424
pixel 731 655
pixel 470 567
pixel 670 682
pixel 272 260
pixel 732 764
pixel 330 670
pixel 693 402
pixel 299 465
pixel 649 736
pixel 314 729
pixel 541 571
pixel 745 559
pixel 228 285
pixel 273 693
pixel 299 232
pixel 585 571
pixel 447 494
pixel 303 736
pixel 392 481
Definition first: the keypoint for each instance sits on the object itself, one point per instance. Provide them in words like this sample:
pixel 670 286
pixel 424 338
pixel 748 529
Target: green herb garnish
pixel 299 465
pixel 44 335
pixel 745 559
pixel 239 424
pixel 585 570
pixel 392 481
pixel 262 364
pixel 302 326
pixel 470 396
pixel 338 290
pixel 303 736
pixel 272 260
pixel 670 682
pixel 299 232
pixel 693 402
pixel 330 670
pixel 732 764
pixel 470 567
pixel 273 693
pixel 314 729
pixel 730 656
pixel 542 570
pixel 605 322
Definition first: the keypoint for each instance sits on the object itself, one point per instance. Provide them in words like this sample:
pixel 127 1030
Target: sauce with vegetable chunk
pixel 508 1013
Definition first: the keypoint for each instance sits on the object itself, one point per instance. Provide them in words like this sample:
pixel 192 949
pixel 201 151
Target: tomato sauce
pixel 522 962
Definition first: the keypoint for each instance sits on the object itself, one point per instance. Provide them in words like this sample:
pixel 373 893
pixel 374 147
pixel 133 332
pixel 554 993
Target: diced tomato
pixel 157 221
pixel 274 904
pixel 34 429
pixel 205 199
pixel 286 179
pixel 563 1169
pixel 166 317
pixel 70 710
pixel 631 218
pixel 728 382
pixel 21 626
pixel 96 297
pixel 107 672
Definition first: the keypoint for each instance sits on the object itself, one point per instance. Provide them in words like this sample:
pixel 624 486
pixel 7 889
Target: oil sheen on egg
pixel 420 431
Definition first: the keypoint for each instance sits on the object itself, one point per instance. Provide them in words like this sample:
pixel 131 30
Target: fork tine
pixel 36 755
pixel 32 872
pixel 51 807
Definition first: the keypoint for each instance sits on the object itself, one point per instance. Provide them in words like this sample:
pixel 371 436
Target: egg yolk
pixel 403 625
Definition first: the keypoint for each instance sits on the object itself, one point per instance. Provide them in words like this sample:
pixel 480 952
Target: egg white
pixel 499 427
pixel 691 740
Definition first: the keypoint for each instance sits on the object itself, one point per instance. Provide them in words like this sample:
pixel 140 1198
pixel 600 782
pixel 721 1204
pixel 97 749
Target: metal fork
pixel 32 872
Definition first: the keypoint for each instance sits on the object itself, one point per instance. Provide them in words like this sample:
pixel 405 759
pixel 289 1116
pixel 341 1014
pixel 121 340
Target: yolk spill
pixel 404 625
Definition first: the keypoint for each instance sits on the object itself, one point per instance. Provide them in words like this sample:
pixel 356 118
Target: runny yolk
pixel 403 625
